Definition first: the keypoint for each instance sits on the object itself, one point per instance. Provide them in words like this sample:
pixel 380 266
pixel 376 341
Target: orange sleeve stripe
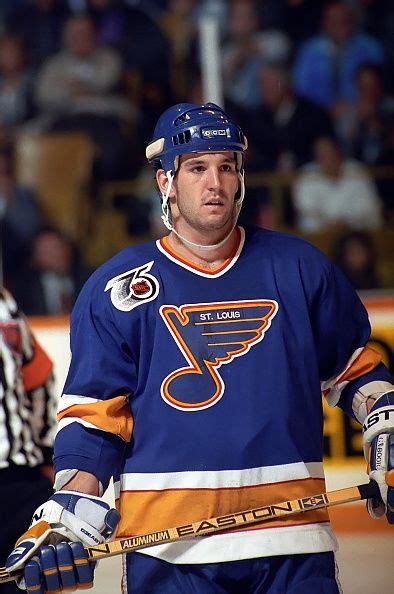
pixel 38 369
pixel 201 504
pixel 367 360
pixel 113 416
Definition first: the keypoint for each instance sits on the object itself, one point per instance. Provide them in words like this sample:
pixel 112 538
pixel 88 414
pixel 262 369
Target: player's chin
pixel 217 221
pixel 223 224
pixel 219 212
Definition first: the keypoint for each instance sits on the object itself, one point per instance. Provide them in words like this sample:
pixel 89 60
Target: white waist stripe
pixel 220 479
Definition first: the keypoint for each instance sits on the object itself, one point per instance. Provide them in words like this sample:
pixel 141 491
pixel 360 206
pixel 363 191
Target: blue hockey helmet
pixel 189 128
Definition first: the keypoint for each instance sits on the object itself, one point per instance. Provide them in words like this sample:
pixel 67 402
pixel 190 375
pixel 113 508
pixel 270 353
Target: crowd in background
pixel 309 82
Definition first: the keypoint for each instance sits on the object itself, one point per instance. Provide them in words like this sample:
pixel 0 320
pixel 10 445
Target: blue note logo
pixel 210 335
pixel 134 287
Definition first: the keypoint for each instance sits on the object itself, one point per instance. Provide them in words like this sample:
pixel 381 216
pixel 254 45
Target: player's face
pixel 202 198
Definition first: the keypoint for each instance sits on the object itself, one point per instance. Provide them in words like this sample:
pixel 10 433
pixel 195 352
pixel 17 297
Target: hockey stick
pixel 226 522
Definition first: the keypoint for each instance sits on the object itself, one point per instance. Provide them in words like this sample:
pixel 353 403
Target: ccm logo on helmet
pixel 214 132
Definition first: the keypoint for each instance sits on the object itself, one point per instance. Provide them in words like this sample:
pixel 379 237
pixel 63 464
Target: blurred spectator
pixel 54 275
pixel 146 53
pixel 131 28
pixel 137 212
pixel 111 20
pixel 20 217
pixel 299 18
pixel 333 193
pixel 361 125
pixel 178 23
pixel 282 129
pixel 16 85
pixel 377 18
pixel 126 26
pixel 385 184
pixel 150 59
pixel 39 23
pixel 78 89
pixel 83 76
pixel 245 49
pixel 355 254
pixel 326 65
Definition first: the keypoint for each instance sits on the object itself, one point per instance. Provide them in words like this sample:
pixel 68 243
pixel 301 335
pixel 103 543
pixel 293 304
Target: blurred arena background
pixel 82 83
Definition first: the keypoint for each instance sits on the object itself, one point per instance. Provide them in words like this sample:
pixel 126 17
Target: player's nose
pixel 213 177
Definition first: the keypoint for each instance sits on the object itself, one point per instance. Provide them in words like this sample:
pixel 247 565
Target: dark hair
pixel 366 278
pixel 369 66
pixel 75 255
pixel 331 137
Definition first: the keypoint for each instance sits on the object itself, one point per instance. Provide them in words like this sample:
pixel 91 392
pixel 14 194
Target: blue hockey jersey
pixel 200 390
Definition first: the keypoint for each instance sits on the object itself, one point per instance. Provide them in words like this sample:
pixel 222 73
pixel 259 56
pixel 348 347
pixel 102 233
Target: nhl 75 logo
pixel 210 335
pixel 133 287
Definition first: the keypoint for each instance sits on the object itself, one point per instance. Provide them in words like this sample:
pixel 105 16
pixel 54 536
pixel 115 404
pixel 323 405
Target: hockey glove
pixel 378 440
pixel 48 561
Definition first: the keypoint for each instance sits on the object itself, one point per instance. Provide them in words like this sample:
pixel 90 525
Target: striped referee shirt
pixel 27 399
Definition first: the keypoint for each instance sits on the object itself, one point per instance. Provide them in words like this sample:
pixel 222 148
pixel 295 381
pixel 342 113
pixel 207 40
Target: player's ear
pixel 162 181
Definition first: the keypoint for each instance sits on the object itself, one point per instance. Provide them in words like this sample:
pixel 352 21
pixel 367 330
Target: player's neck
pixel 209 259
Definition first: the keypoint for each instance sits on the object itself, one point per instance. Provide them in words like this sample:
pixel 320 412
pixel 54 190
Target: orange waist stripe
pixel 147 511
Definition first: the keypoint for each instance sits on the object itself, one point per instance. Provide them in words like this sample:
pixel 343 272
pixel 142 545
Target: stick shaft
pixel 234 520
pixel 227 522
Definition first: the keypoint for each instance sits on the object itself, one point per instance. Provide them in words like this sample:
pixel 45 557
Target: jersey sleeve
pixel 94 416
pixel 341 330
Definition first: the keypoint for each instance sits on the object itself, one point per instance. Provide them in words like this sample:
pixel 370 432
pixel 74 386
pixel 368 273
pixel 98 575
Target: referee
pixel 27 424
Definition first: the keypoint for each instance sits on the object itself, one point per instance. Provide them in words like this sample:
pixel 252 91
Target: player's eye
pixel 226 167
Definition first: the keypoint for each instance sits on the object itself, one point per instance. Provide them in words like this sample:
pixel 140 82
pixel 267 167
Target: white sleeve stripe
pixel 68 400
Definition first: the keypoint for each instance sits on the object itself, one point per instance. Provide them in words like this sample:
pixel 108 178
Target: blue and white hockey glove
pixel 49 561
pixel 378 439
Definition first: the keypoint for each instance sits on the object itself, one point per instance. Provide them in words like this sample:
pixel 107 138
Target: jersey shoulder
pixel 284 245
pixel 125 261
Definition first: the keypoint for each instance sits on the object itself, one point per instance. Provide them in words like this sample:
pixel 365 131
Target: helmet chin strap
pixel 167 219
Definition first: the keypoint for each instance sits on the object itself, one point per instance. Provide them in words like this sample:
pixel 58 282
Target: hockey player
pixel 198 363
